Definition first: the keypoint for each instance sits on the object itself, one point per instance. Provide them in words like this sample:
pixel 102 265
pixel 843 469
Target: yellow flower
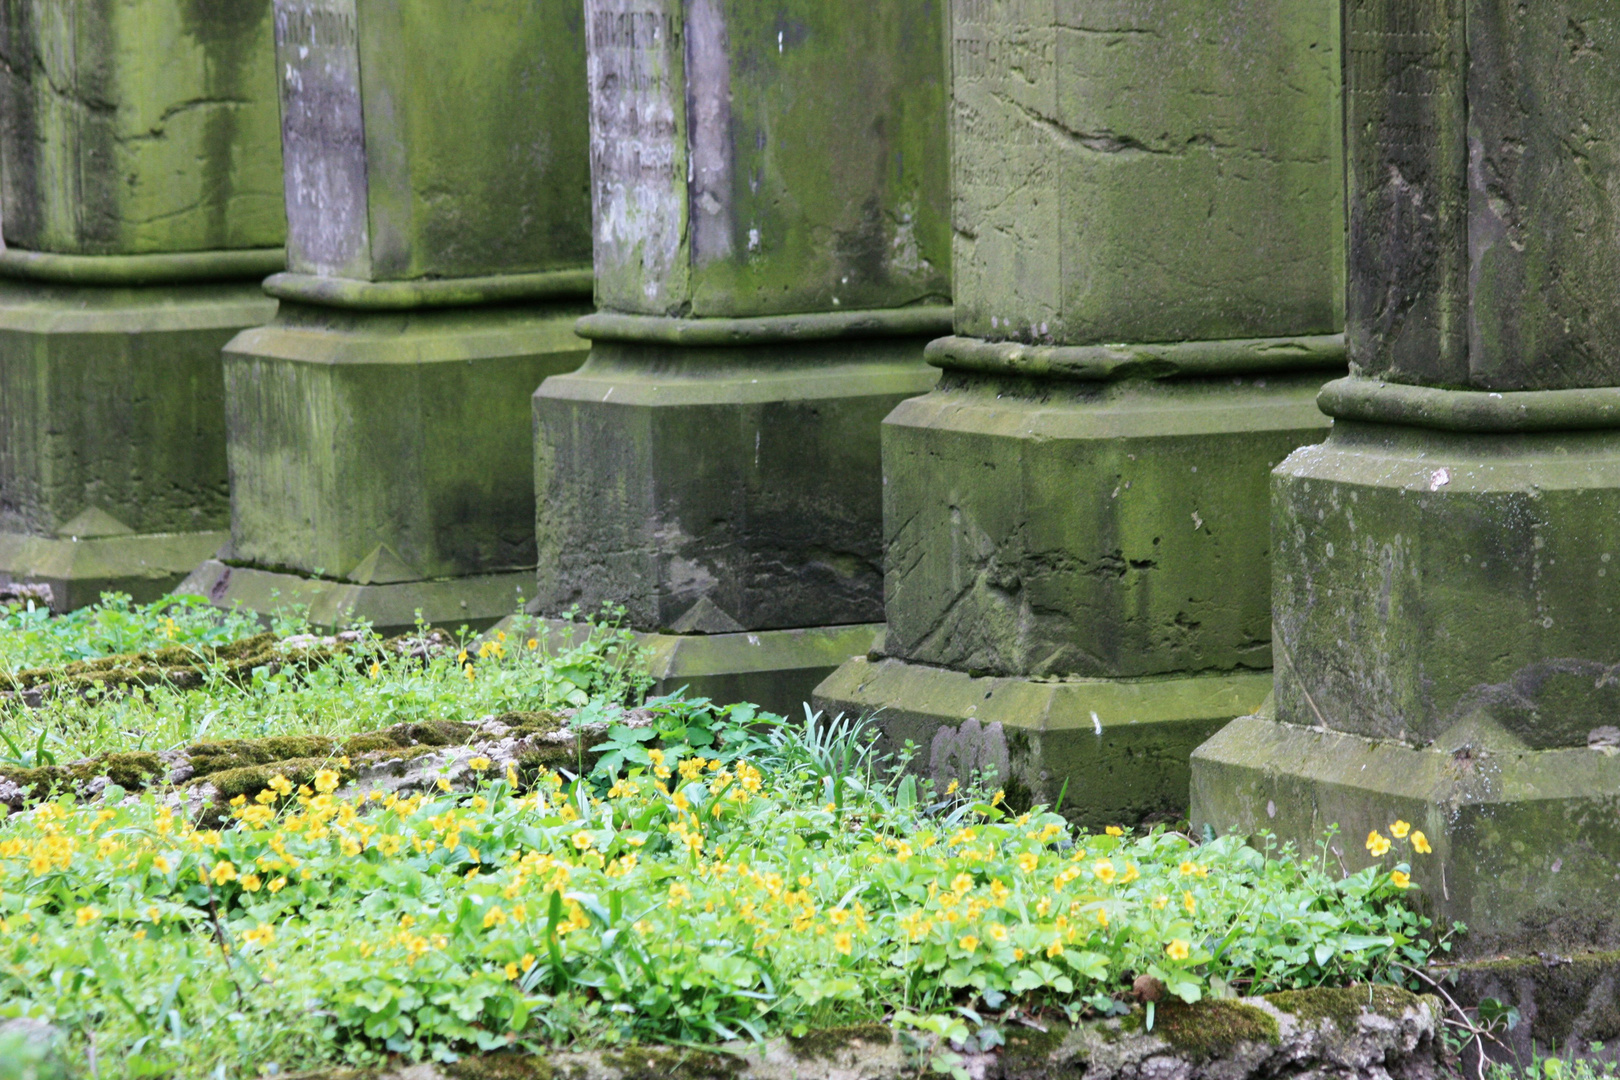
pixel 1131 874
pixel 1114 830
pixel 468 671
pixel 86 915
pixel 968 942
pixel 251 882
pixel 1420 844
pixel 223 871
pixel 1189 902
pixel 1400 880
pixel 1054 950
pixel 1159 902
pixel 998 933
pixel 950 789
pixel 527 961
pixel 260 935
pixel 1028 861
pixel 479 764
pixel 961 883
pixel 583 840
pixel 326 781
pixel 1186 868
pixel 1177 950
pixel 534 643
pixel 495 916
pixel 1377 843
pixel 281 785
pixel 277 885
pixel 995 800
pixel 376 669
pixel 1104 870
pixel 1400 829
pixel 511 971
pixel 1102 918
pixel 677 894
pixel 844 942
pixel 240 800
pixel 160 864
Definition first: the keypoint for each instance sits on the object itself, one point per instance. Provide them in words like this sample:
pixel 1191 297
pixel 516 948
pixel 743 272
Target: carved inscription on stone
pixel 323 137
pixel 638 156
pixel 1407 139
pixel 1008 235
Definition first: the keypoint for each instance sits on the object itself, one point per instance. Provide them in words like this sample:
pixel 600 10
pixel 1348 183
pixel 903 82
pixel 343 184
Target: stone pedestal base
pixel 79 569
pixel 718 476
pixel 775 669
pixel 382 460
pixel 1117 749
pixel 1526 842
pixel 112 418
pixel 475 601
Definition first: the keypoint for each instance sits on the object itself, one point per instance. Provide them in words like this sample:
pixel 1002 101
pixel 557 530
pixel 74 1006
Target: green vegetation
pixel 697 873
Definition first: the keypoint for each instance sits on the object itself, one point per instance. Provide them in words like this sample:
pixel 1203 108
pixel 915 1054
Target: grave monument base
pixel 1116 749
pixel 380 451
pixel 112 434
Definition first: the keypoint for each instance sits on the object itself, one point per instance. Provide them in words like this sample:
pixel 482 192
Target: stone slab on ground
pixel 1116 750
pixel 778 670
pixel 475 602
pixel 1526 841
pixel 1360 1033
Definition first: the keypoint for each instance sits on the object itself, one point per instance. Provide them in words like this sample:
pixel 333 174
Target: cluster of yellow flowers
pixel 1378 846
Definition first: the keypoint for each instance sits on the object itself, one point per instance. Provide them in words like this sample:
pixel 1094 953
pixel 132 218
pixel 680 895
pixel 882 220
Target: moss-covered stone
pixel 1212 1027
pixel 660 1063
pixel 1344 1005
pixel 828 1042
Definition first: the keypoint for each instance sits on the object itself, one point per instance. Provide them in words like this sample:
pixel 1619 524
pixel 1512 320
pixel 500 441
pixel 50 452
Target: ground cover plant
pixel 371 686
pixel 705 873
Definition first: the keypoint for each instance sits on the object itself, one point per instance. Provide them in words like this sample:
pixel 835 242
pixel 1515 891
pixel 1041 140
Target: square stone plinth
pixel 717 490
pixel 380 449
pixel 1425 580
pixel 1087 529
pixel 112 434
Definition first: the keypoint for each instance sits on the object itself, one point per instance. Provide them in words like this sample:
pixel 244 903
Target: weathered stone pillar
pixel 772 254
pixel 1445 583
pixel 438 204
pixel 1149 242
pixel 140 195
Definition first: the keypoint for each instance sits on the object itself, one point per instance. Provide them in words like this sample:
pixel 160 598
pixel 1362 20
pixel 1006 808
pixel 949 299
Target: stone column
pixel 1445 583
pixel 1149 242
pixel 140 195
pixel 772 255
pixel 438 205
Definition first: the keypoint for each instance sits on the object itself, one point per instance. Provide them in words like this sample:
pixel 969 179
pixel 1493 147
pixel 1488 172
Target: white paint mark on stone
pixel 779 42
pixel 1096 723
pixel 1198 522
pixel 1271 808
pixel 1440 479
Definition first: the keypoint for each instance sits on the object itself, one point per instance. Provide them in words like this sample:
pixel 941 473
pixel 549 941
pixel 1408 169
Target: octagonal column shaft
pixel 438 202
pixel 1445 593
pixel 139 189
pixel 1149 227
pixel 772 254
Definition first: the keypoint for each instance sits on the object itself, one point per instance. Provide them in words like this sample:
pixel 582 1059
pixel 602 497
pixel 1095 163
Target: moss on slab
pixel 1344 1005
pixel 656 1063
pixel 1211 1028
pixel 827 1042
pixel 133 771
pixel 502 1067
pixel 1029 1052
